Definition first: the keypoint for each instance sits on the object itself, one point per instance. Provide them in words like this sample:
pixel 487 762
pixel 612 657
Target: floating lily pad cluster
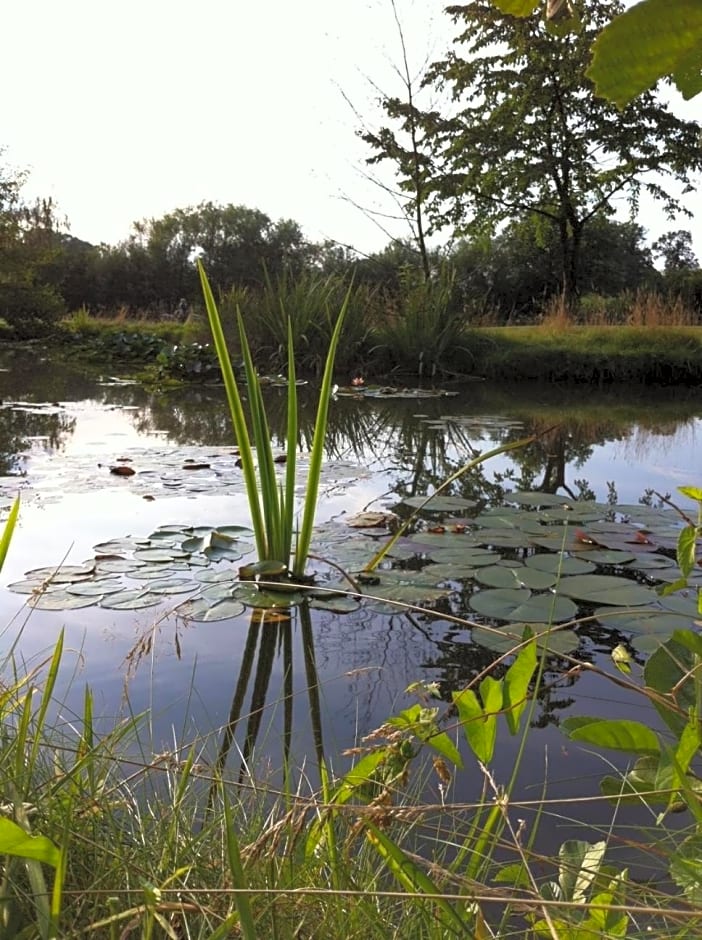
pixel 538 562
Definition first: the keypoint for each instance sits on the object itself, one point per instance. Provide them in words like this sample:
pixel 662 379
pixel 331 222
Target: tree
pixel 653 39
pixel 674 249
pixel 529 137
pixel 406 147
pixel 29 303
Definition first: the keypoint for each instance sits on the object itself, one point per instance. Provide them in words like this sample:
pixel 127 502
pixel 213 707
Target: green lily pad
pixel 684 602
pixel 502 538
pixel 62 574
pixel 116 546
pixel 219 553
pixel 555 641
pixel 201 610
pixel 520 604
pixel 440 503
pixel 515 577
pixel 250 595
pixel 31 586
pixel 212 575
pixel 173 586
pixel 131 600
pixel 643 620
pixel 59 600
pixel 118 565
pixel 194 544
pixel 604 556
pixel 235 531
pixel 95 589
pixel 534 498
pixel 606 589
pixel 155 554
pixel 338 605
pixel 560 564
pixel 449 572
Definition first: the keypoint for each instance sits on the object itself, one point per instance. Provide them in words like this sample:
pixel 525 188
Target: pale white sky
pixel 124 111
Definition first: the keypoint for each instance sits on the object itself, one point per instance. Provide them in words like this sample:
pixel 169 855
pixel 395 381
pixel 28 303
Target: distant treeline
pixel 507 278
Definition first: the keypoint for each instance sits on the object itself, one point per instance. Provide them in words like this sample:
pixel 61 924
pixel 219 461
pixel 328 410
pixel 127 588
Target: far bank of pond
pixel 655 355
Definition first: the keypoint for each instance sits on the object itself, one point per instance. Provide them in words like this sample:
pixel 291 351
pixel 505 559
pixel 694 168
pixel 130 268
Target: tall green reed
pixel 272 500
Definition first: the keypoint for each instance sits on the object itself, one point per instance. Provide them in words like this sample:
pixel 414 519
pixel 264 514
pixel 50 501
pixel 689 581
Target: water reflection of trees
pixel 422 441
pixel 20 429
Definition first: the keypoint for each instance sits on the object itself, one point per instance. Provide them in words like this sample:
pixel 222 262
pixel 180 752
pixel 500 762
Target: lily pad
pixel 95 589
pixel 554 641
pixel 606 589
pixel 131 600
pixel 59 600
pixel 515 577
pixel 604 556
pixel 338 605
pixel 203 611
pixel 535 498
pixel 558 563
pixel 643 620
pixel 520 604
pixel 249 595
pixel 440 503
pixel 156 554
pixel 448 571
pixel 62 574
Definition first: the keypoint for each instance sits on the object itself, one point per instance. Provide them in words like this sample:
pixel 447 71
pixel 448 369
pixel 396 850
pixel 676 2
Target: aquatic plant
pixel 272 500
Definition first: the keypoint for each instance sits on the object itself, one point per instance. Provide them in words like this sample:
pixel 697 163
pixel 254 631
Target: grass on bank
pixel 416 841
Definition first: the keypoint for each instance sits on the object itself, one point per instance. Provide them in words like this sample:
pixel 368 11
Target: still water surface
pixel 62 429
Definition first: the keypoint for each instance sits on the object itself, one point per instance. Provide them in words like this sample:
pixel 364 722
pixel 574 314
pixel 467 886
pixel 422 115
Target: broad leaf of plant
pixel 653 39
pixel 579 863
pixel 421 722
pixel 618 734
pixel 15 841
pixel 515 685
pixel 685 552
pixel 675 665
pixel 517 7
pixel 480 729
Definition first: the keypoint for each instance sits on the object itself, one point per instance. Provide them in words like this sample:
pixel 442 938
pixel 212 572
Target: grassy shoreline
pixel 599 355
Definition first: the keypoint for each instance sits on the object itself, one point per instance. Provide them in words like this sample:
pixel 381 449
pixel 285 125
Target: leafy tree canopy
pixel 653 39
pixel 527 135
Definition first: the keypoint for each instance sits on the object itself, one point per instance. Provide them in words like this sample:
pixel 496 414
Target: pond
pixel 605 462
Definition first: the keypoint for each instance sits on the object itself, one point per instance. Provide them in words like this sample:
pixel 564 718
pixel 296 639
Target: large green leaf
pixel 517 7
pixel 508 637
pixel 653 39
pixel 521 605
pixel 618 734
pixel 15 841
pixel 606 589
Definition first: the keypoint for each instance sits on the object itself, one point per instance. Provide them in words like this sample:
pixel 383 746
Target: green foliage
pixel 423 329
pixel 272 501
pixel 7 531
pixel 652 40
pixel 526 135
pixel 188 361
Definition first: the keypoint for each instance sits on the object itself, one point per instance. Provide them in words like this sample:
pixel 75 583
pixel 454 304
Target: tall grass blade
pixel 413 879
pixel 7 531
pixel 246 920
pixel 237 414
pixel 317 453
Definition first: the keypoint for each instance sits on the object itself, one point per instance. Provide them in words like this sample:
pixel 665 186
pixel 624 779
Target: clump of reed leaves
pixel 308 302
pixel 272 500
pixel 423 329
